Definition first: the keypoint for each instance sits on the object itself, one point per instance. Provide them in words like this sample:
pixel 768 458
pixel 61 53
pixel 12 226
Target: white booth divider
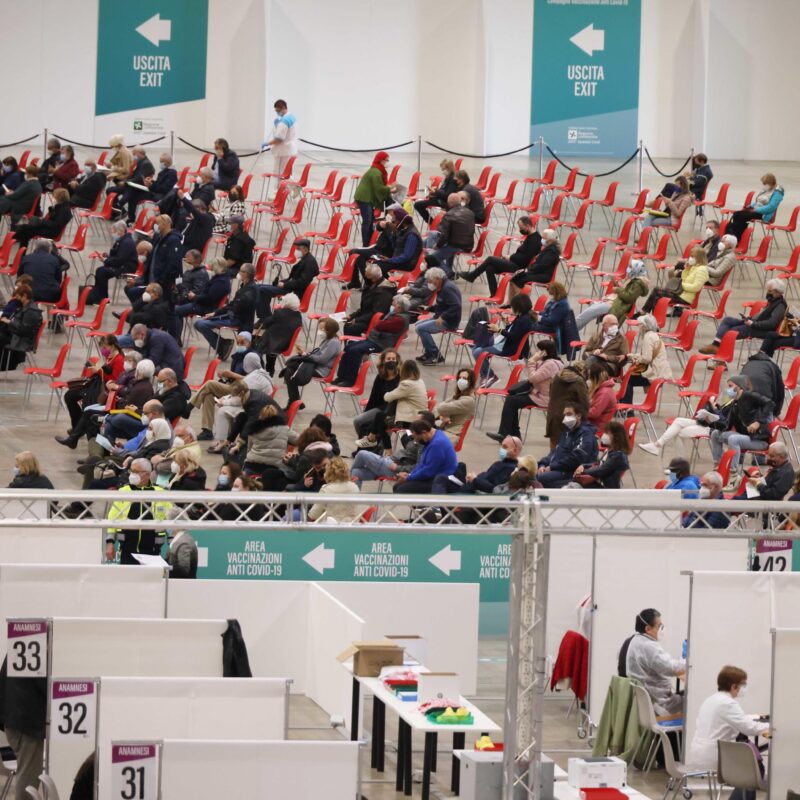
pixel 148 709
pixel 56 545
pixel 731 618
pixel 48 590
pixel 301 770
pixel 632 573
pixel 84 648
pixel 784 744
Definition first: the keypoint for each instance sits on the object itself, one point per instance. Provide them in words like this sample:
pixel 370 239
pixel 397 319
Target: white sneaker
pixel 367 441
pixel 652 447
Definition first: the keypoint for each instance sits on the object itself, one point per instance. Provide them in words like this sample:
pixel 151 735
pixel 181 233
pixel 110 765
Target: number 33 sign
pixel 27 648
pixel 72 708
pixel 134 771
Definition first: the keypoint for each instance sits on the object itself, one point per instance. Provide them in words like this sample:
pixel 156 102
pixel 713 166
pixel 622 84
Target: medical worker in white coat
pixel 648 663
pixel 721 718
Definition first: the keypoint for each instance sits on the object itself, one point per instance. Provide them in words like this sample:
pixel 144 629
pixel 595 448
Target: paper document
pixel 138 186
pixel 339 316
pixel 751 490
pixel 150 561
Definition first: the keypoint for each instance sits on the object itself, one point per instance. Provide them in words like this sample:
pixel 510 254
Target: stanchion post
pixel 641 163
pixel 44 146
pixel 419 152
pixel 172 144
pixel 541 157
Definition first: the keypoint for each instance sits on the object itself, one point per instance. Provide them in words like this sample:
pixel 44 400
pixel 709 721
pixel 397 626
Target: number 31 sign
pixel 27 648
pixel 134 771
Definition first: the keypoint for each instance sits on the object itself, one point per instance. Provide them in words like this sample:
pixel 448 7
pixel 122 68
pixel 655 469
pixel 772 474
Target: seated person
pixel 301 276
pixel 779 477
pixel 12 175
pixel 647 662
pixel 382 247
pixel 675 203
pixel 521 258
pixel 602 394
pixel 622 299
pixel 684 283
pixel 199 224
pixel 766 321
pixel 50 226
pixel 711 243
pixel 199 295
pixel 607 472
pixel 474 197
pixel 721 718
pixel 369 465
pixel 543 268
pixel 484 482
pixel 163 183
pixel 608 345
pixel 172 202
pixel 387 379
pixel 275 332
pixel 577 446
pixel 417 291
pixel 157 345
pixel 239 244
pixel 225 165
pixel 376 298
pixel 680 477
pixel 455 234
pixel 438 458
pixel 446 315
pixel 557 318
pixel 129 195
pixel 438 197
pixel 407 243
pixel 764 207
pixel 302 367
pixel 18 333
pixel 120 260
pixel 453 414
pixel 24 199
pixel 46 268
pixel 66 170
pixel 152 309
pixel 699 177
pixel 710 489
pixel 721 262
pixel 173 393
pixel 236 207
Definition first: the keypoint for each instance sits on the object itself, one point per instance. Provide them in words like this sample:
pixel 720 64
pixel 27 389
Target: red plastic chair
pixel 53 373
pixel 719 203
pixel 646 408
pixel 354 392
pixel 77 246
pixel 80 325
pixel 605 203
pixel 211 370
pixel 790 227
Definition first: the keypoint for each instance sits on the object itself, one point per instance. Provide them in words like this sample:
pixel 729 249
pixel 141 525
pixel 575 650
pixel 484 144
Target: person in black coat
pixel 608 471
pixel 204 300
pixel 225 165
pixel 162 184
pixel 166 260
pixel 120 260
pixel 543 268
pixel 199 225
pixel 151 309
pixel 303 272
pixel 51 225
pixel 130 195
pixel 194 279
pixel 46 268
pixel 239 246
pixel 438 197
pixel 27 473
pixel 24 198
pixel 203 189
pixel 376 298
pixel 85 190
pixel 275 332
pixel 18 333
pixel 173 393
pixel 521 258
pixel 12 175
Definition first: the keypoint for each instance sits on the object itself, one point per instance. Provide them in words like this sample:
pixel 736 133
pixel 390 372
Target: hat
pixel 636 268
pixel 246 335
pixel 678 464
pixel 302 243
pixel 398 213
pixel 252 362
pixel 739 380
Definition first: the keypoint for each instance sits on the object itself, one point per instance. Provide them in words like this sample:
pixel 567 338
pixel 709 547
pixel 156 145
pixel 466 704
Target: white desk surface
pixel 559 774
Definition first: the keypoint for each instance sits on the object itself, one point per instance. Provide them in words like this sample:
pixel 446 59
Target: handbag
pixel 584 480
pixel 76 384
pixel 522 387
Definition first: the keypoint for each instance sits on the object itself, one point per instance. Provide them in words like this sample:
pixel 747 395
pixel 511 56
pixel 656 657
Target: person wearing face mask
pixel 185 473
pixel 608 346
pixel 27 474
pixel 406 243
pixel 647 662
pixel 576 446
pixel 172 393
pixel 484 482
pixel 438 458
pixel 621 298
pixel 376 298
pixel 650 362
pixel 711 241
pixel 18 333
pixel 446 315
pixel 120 260
pixel 182 555
pixel 46 268
pixel 197 294
pixel 12 176
pixel 199 224
pixel 239 244
pixel 149 539
pixel 183 439
pixel 453 414
pixel 675 200
pixel 710 489
pixel 557 318
pixel 699 178
pixel 474 198
pixel 85 189
pixel 121 160
pixel 543 268
pixel 225 165
pixel 602 395
pixel 282 140
pixel 133 191
pixel 764 206
pixel 301 275
pixel 777 481
pixel 166 259
pixel 680 478
pixel 67 169
pixel 387 332
pixel 45 170
pixel 437 197
pixel 608 471
pixel 228 473
pixel 455 234
pixel 386 379
pixel 202 189
pixel 766 321
pixel 721 718
pixel 683 283
pixel 273 334
pixel 721 259
pixel 236 207
pixel 318 362
pixel 156 345
pixel 50 226
pixel 152 309
pixel 372 193
pixel 163 183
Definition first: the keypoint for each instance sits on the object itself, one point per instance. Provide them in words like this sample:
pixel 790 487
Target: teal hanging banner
pixel 150 53
pixel 585 95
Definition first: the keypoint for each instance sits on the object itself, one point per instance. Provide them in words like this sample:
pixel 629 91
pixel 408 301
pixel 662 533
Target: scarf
pixel 377 163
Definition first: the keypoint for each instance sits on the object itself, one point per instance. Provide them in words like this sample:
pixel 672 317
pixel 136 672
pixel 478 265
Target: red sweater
pixel 573 663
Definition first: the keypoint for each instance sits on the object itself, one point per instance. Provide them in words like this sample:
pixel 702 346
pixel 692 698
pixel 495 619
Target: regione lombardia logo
pixel 572 134
pixel 137 124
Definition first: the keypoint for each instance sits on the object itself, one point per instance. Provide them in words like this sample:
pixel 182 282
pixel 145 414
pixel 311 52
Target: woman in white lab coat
pixel 648 663
pixel 721 718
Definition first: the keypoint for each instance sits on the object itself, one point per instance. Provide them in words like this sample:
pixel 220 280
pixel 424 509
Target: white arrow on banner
pixel 320 558
pixel 156 30
pixel 447 560
pixel 590 39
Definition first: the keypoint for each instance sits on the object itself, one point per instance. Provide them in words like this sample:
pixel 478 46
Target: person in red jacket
pixel 602 395
pixel 67 170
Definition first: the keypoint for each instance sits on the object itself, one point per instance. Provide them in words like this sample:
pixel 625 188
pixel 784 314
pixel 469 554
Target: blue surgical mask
pixel 6 168
pixel 163 480
pixel 673 476
pixel 223 480
pixel 62 156
pixel 502 453
pixel 240 348
pixel 730 391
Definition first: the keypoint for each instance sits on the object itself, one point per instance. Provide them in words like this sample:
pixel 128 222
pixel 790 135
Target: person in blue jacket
pixel 577 446
pixel 446 315
pixel 512 335
pixel 164 182
pixel 681 478
pixel 484 482
pixel 438 458
pixel 764 207
pixel 557 318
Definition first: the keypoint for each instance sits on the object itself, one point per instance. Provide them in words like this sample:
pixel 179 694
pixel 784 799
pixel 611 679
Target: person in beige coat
pixel 609 345
pixel 453 414
pixel 725 258
pixel 651 361
pixel 410 396
pixel 121 161
pixel 337 481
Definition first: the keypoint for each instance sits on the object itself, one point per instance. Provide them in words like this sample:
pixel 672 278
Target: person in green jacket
pixel 623 298
pixel 373 191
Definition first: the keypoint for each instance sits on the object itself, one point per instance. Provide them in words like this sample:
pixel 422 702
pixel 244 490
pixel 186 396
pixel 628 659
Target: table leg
pixel 381 730
pixel 401 754
pixel 430 749
pixel 455 778
pixel 433 752
pixel 354 710
pixel 408 763
pixel 374 751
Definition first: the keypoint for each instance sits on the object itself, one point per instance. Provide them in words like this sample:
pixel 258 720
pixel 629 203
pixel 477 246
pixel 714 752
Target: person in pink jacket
pixel 602 395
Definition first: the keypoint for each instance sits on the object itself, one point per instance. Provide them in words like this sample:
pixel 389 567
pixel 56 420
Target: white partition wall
pixel 635 573
pixel 52 545
pixel 732 616
pixel 300 770
pixel 149 709
pixel 784 745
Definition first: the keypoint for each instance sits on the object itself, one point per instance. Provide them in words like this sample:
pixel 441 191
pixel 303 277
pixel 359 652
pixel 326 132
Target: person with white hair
pixel 455 234
pixel 120 260
pixel 543 268
pixel 162 184
pixel 121 159
pixel 621 298
pixel 650 361
pixel 274 333
pixel 446 315
pixel 722 262
pixel 133 190
pixel 775 483
pixel 766 321
pixel 711 486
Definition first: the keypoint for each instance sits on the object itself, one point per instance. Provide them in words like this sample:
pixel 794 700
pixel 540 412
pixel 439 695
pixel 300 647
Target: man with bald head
pixel 455 234
pixel 484 482
pixel 609 345
pixel 777 480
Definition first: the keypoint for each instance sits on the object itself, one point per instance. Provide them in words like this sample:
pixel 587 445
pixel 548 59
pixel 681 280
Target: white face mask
pixel 613 330
pixel 134 479
pixel 175 468
pixel 742 690
pixel 605 439
pixel 462 384
pixel 704 493
pixel 721 246
pixel 690 262
pixel 147 297
pixel 570 422
pixel 159 387
pixel 145 419
pixel 141 259
pixel 432 287
pixel 178 441
pixel 138 343
pixel 127 366
pixel 710 232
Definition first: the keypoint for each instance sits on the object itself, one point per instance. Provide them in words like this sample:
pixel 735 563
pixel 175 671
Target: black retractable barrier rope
pixel 664 174
pixel 352 150
pixel 21 141
pixel 491 155
pixel 212 153
pixel 595 174
pixel 101 146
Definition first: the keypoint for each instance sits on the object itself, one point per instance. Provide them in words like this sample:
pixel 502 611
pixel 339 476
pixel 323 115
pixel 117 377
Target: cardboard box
pixel 370 657
pixel 414 646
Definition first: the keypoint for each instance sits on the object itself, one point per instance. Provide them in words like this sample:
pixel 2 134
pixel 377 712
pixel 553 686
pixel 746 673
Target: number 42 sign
pixel 134 770
pixel 27 648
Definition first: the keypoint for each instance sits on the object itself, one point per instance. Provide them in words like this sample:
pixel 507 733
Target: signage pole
pixel 44 146
pixel 641 163
pixel 419 152
pixel 172 144
pixel 541 155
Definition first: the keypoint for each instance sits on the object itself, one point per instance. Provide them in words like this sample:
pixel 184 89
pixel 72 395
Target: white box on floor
pixel 594 773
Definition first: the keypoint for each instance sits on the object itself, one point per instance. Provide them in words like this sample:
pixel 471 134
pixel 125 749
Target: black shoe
pixel 341 382
pixel 433 361
pixel 498 437
pixel 423 357
pixel 116 314
pixel 224 349
pixel 67 441
pixel 205 435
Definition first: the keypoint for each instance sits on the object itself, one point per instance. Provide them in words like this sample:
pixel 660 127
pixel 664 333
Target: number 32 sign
pixel 72 708
pixel 27 648
pixel 134 771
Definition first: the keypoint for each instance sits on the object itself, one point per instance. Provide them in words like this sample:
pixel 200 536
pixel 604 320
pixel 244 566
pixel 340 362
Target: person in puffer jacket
pixel 267 439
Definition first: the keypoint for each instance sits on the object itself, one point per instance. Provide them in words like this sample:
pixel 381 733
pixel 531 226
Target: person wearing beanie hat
pixel 238 246
pixel 300 277
pixel 543 268
pixel 621 299
pixel 743 423
pixel 406 241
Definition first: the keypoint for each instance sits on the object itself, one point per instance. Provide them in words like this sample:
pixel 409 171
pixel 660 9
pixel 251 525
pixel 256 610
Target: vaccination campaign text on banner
pixel 585 88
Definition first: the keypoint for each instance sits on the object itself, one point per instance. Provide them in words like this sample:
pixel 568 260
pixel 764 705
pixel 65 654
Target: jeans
pixel 176 323
pixel 730 440
pixel 592 312
pixel 121 426
pixel 732 324
pixel 425 331
pixel 134 293
pixel 635 380
pixel 492 349
pixel 354 353
pixel 413 487
pixel 444 255
pixel 655 222
pixel 368 466
pixel 206 328
pixel 773 340
pixel 422 206
pixel 553 479
pixel 740 220
pixel 364 423
pixel 367 222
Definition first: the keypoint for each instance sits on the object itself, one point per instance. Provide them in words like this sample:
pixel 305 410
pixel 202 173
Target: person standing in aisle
pixel 373 192
pixel 283 137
